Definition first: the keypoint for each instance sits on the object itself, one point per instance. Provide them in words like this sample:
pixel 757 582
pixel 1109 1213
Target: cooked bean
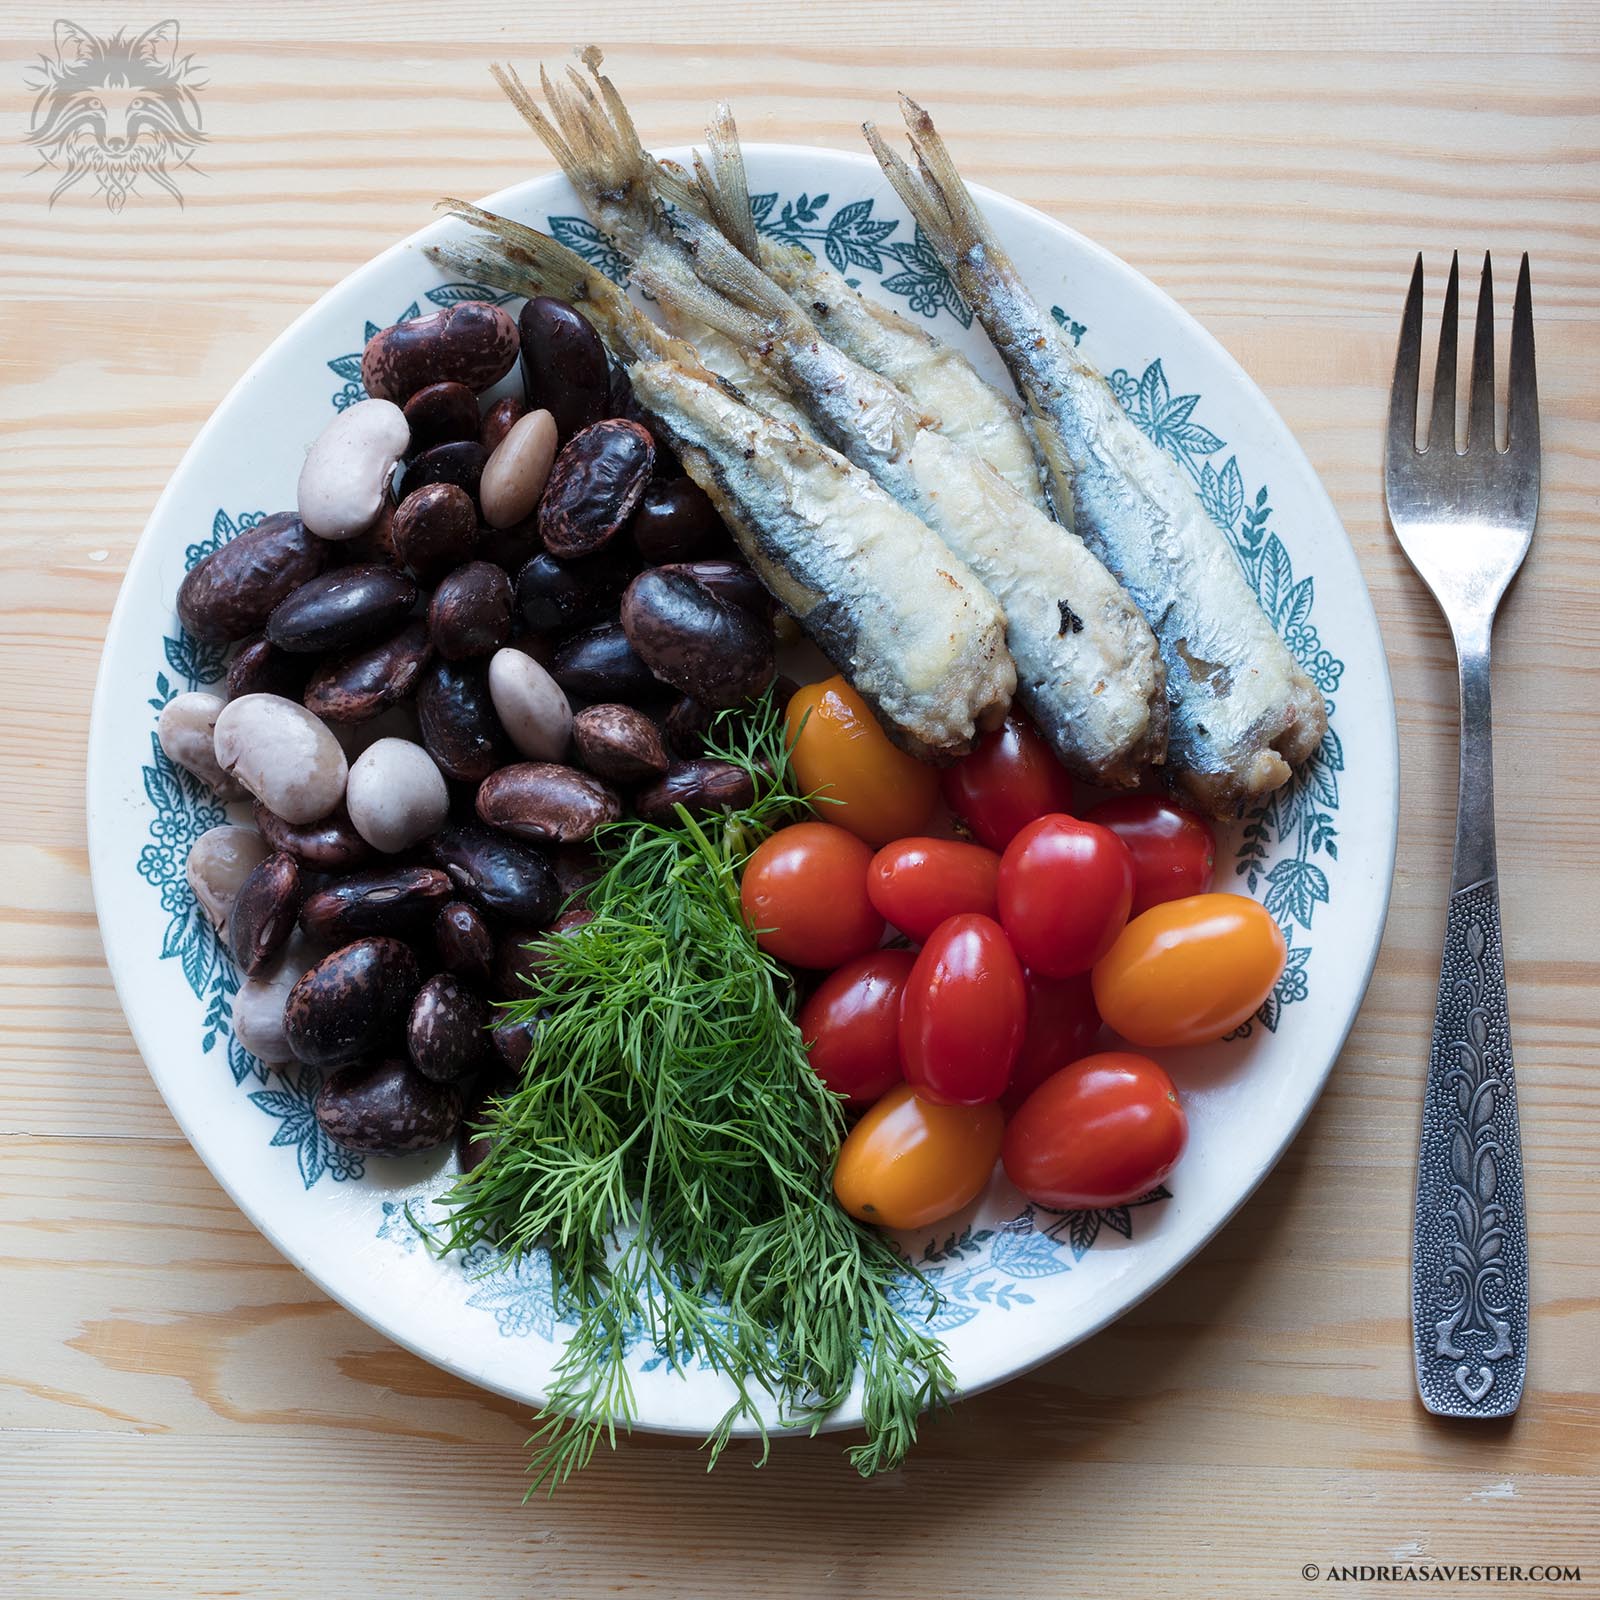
pixel 505 878
pixel 596 482
pixel 347 607
pixel 700 786
pixel 185 731
pixel 435 530
pixel 686 726
pixel 513 1043
pixel 575 866
pixel 219 861
pixel 564 363
pixel 356 686
pixel 676 521
pixel 497 421
pixel 260 667
pixel 525 954
pixel 387 1109
pixel 470 614
pixel 556 595
pixel 283 755
pixel 264 911
pixel 732 582
pixel 233 591
pixel 441 413
pixel 396 795
pixel 330 845
pixel 463 940
pixel 257 1012
pixel 687 637
pixel 374 546
pixel 460 463
pixel 446 1032
pixel 392 900
pixel 619 744
pixel 459 727
pixel 471 343
pixel 546 802
pixel 599 664
pixel 472 1146
pixel 345 478
pixel 531 705
pixel 514 476
pixel 351 1002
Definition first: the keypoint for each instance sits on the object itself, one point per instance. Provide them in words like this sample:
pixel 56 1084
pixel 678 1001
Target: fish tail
pixel 678 191
pixel 725 183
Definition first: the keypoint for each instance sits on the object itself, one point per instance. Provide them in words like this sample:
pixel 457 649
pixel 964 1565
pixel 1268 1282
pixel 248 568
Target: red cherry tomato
pixel 963 1014
pixel 1062 1024
pixel 1065 889
pixel 917 883
pixel 851 1025
pixel 1101 1132
pixel 805 893
pixel 1173 851
pixel 1011 779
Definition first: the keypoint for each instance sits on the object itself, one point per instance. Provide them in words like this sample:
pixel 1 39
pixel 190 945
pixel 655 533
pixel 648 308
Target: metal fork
pixel 1465 519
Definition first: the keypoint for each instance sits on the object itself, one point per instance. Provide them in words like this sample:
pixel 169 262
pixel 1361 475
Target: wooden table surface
pixel 184 1414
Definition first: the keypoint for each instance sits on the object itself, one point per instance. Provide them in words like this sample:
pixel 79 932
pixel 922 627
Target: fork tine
pixel 1442 421
pixel 1522 406
pixel 1480 402
pixel 1407 371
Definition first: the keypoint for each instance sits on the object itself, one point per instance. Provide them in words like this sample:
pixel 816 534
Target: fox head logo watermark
pixel 116 111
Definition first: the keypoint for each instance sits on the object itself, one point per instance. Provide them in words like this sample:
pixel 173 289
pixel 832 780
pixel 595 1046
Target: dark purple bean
pixel 435 530
pixel 350 606
pixel 387 1109
pixel 524 954
pixel 732 582
pixel 460 464
pixel 676 521
pixel 505 878
pixel 546 802
pixel 502 1077
pixel 471 343
pixel 442 413
pixel 686 726
pixel 556 595
pixel 391 900
pixel 576 866
pixel 260 667
pixel 619 744
pixel 701 786
pixel 351 1002
pixel 511 548
pixel 470 614
pixel 597 481
pixel 331 845
pixel 457 718
pixel 447 1031
pixel 564 365
pixel 463 940
pixel 264 911
pixel 497 421
pixel 234 590
pixel 513 1043
pixel 375 547
pixel 686 636
pixel 355 687
pixel 599 664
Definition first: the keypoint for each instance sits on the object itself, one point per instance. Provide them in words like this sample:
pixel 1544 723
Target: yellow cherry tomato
pixel 1189 971
pixel 870 786
pixel 909 1162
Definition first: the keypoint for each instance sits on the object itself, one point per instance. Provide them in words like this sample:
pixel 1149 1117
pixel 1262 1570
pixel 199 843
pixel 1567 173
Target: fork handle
pixel 1469 1261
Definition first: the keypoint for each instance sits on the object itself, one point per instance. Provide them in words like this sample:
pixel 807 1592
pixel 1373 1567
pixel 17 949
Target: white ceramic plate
pixel 1017 1286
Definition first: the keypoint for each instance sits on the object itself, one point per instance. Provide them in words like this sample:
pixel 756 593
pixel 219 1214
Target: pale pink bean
pixel 514 476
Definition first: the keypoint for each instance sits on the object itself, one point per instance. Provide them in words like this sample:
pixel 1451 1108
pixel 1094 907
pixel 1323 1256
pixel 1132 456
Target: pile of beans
pixel 486 630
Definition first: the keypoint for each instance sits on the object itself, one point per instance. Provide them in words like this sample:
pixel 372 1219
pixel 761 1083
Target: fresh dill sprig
pixel 672 1147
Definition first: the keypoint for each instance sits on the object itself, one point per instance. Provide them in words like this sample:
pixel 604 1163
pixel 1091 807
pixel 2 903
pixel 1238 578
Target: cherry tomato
pixel 963 1014
pixel 917 883
pixel 1062 1024
pixel 1065 889
pixel 910 1161
pixel 868 785
pixel 1101 1132
pixel 1173 851
pixel 805 893
pixel 851 1025
pixel 1189 971
pixel 1010 780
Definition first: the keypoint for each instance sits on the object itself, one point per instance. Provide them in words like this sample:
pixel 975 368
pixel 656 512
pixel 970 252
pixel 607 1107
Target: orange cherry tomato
pixel 867 784
pixel 804 891
pixel 909 1162
pixel 1189 971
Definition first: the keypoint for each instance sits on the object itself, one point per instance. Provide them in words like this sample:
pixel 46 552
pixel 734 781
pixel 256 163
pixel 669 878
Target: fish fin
pixel 725 183
pixel 675 188
pixel 936 195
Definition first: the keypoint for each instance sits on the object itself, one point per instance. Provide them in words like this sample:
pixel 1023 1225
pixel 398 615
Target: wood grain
pixel 183 1413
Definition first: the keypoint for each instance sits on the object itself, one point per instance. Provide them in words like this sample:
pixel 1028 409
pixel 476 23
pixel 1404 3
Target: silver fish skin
pixel 1244 714
pixel 1088 669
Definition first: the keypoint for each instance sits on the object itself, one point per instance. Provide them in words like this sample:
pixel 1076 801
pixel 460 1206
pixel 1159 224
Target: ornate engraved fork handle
pixel 1469 1264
